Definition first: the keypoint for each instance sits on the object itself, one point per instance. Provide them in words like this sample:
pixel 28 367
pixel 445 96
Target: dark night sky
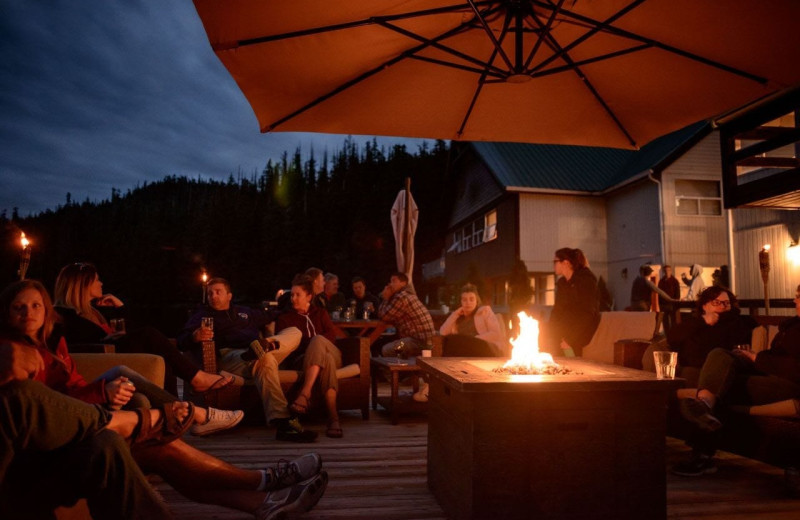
pixel 100 94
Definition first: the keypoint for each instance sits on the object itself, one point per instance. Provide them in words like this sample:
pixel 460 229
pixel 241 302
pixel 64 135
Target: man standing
pixel 241 350
pixel 402 308
pixel 362 296
pixel 670 285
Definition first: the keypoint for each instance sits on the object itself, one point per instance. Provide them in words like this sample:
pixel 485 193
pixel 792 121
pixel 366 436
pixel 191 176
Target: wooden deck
pixel 378 471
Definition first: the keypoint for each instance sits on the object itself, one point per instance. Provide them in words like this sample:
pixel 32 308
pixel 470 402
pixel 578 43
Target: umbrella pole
pixel 407 229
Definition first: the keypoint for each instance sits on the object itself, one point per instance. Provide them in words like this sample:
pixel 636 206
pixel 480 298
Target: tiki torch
pixel 24 255
pixel 204 278
pixel 763 264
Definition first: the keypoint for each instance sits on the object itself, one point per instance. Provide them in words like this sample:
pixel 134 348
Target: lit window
pixel 490 226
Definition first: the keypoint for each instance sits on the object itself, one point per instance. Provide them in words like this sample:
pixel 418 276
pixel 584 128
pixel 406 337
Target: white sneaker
pixel 422 395
pixel 217 421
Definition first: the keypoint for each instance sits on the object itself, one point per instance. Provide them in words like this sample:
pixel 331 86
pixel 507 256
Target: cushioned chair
pixel 354 383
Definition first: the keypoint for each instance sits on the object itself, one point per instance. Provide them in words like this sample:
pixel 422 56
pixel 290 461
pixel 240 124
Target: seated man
pixel 402 308
pixel 241 350
pixel 330 295
pixel 363 297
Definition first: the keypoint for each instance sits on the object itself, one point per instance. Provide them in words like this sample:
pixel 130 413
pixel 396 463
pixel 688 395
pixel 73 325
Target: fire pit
pixel 585 444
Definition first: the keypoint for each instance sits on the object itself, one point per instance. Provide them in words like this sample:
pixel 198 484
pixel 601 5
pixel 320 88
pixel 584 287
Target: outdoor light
pixel 763 264
pixel 24 255
pixel 793 254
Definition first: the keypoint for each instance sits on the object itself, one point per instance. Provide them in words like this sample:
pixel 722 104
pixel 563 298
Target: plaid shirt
pixel 408 315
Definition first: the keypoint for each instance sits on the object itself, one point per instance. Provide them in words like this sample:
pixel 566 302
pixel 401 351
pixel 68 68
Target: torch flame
pixel 23 240
pixel 204 277
pixel 525 348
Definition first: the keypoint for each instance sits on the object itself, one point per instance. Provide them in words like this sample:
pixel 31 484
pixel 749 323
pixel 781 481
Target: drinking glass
pixel 207 322
pixel 666 361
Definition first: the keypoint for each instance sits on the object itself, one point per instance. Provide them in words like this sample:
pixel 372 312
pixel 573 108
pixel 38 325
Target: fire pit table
pixel 584 445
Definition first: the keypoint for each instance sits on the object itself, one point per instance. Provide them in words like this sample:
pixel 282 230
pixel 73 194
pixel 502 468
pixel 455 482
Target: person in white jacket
pixel 695 282
pixel 473 320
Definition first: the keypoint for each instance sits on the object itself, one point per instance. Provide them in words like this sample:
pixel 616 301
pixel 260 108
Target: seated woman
pixel 472 330
pixel 716 323
pixel 576 311
pixel 27 316
pixel 79 298
pixel 76 450
pixel 766 383
pixel 317 355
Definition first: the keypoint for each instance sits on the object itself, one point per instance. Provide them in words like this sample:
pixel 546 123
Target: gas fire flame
pixel 525 355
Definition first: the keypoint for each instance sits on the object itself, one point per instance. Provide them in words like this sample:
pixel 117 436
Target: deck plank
pixel 378 471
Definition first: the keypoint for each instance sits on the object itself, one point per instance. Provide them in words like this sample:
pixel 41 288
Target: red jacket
pixel 316 322
pixel 61 375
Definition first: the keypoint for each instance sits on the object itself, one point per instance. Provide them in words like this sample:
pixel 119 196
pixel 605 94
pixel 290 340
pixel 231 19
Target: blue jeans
pixel 54 450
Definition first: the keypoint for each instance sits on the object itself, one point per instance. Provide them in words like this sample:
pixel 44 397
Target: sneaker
pixel 698 412
pixel 287 502
pixel 292 430
pixel 696 465
pixel 217 421
pixel 285 474
pixel 422 395
pixel 261 346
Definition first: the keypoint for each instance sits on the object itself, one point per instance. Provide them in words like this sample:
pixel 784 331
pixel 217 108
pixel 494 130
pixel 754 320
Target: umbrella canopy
pixel 615 73
pixel 404 216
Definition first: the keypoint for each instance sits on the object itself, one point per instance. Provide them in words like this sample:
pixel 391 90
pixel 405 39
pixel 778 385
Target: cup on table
pixel 207 322
pixel 666 361
pixel 117 325
pixel 426 352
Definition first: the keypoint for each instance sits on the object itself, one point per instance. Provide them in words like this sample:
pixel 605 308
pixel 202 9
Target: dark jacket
pixel 316 322
pixel 235 327
pixel 576 312
pixel 693 338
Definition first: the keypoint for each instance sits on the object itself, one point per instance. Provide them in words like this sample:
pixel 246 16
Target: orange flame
pixel 525 347
pixel 23 240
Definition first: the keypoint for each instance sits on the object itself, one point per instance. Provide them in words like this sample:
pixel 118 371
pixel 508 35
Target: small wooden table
pixel 391 369
pixel 370 329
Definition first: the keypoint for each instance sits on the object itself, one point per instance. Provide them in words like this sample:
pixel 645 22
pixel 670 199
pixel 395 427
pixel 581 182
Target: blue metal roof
pixel 578 168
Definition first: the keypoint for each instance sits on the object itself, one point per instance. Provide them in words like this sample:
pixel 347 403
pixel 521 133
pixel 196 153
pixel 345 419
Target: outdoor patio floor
pixel 378 471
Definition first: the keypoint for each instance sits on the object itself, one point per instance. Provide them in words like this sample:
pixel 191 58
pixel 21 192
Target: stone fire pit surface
pixel 584 445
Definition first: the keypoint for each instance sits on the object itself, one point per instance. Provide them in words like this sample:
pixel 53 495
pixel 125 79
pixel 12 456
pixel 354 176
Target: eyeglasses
pixel 722 303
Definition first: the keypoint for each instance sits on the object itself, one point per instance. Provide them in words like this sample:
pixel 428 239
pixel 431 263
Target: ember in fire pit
pixel 525 356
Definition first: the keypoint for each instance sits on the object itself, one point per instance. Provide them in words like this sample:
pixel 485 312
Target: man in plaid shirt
pixel 402 308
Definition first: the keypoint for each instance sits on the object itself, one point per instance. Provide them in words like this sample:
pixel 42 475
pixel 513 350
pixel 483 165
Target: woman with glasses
pixel 576 311
pixel 765 383
pixel 82 305
pixel 716 323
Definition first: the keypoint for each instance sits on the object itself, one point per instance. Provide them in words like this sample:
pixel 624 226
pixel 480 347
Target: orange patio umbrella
pixel 615 73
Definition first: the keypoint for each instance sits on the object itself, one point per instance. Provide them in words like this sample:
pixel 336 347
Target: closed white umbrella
pixel 404 217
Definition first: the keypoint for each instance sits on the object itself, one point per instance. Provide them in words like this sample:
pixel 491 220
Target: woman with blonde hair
pixel 79 299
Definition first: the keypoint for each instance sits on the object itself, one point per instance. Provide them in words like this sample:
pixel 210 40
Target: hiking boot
pixel 261 346
pixel 285 474
pixel 217 421
pixel 696 465
pixel 289 501
pixel 291 430
pixel 698 412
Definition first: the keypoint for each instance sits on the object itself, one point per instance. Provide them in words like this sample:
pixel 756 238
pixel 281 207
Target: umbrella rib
pixel 443 63
pixel 573 66
pixel 545 30
pixel 490 34
pixel 665 47
pixel 481 82
pixel 597 27
pixel 342 26
pixel 435 43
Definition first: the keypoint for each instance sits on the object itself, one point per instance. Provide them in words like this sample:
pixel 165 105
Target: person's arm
pixel 186 339
pixel 18 362
pixel 493 333
pixel 391 309
pixel 653 287
pixel 76 385
pixel 449 325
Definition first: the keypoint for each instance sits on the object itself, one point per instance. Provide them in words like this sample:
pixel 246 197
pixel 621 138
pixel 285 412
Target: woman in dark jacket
pixel 716 323
pixel 79 299
pixel 576 312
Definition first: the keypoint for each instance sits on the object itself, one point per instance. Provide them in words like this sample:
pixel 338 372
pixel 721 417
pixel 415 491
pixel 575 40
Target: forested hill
pixel 151 243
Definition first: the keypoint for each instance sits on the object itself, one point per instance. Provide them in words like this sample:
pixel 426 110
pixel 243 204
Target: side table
pixel 391 369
